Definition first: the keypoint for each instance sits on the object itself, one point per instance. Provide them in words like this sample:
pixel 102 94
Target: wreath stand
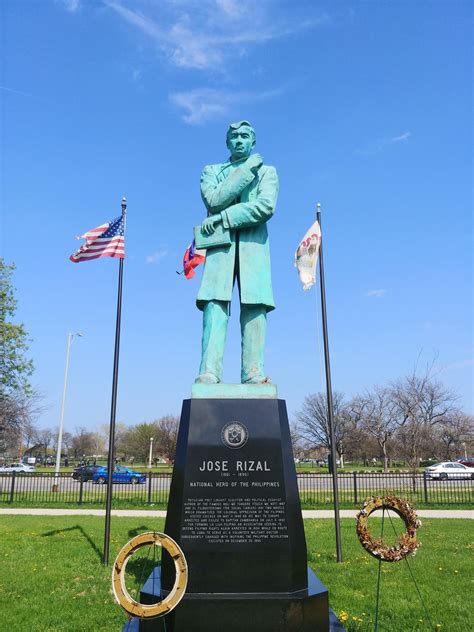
pixel 407 544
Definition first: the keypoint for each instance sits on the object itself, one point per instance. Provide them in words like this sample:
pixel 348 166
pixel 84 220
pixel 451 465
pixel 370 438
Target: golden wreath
pixel 407 544
pixel 123 598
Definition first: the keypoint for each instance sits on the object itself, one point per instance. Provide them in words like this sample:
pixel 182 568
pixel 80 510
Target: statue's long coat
pixel 246 202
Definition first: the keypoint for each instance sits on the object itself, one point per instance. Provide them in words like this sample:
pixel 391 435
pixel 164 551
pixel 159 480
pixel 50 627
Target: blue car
pixel 121 475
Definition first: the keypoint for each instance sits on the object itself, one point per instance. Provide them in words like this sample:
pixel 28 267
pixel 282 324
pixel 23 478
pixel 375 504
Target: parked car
pixel 121 474
pixel 20 468
pixel 468 461
pixel 84 473
pixel 325 462
pixel 443 471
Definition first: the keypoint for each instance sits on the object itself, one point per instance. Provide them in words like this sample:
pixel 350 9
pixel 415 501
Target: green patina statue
pixel 241 195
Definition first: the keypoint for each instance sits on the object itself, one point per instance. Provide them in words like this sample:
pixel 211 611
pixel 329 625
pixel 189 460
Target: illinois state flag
pixel 306 256
pixel 192 258
pixel 107 240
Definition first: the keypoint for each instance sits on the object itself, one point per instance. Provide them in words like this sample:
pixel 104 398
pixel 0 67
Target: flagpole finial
pixel 124 204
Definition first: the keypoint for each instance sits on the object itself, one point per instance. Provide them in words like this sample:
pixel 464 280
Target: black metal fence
pixel 47 489
pixel 315 490
pixel 355 487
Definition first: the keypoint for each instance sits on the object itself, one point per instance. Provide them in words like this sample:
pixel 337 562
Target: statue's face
pixel 240 142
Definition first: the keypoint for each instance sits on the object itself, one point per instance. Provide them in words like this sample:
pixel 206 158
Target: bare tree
pixel 86 443
pixel 18 410
pixel 454 432
pixel 120 442
pixel 313 421
pixel 376 414
pixel 167 436
pixel 67 442
pixel 296 440
pixel 420 404
pixel 29 432
pixel 45 438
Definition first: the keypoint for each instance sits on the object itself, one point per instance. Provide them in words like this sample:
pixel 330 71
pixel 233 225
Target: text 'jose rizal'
pixel 238 466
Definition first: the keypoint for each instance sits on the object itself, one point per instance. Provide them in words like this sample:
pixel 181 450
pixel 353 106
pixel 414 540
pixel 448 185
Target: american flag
pixel 106 240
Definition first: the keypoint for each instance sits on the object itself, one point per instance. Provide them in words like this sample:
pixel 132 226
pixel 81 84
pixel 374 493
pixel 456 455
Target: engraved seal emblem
pixel 234 434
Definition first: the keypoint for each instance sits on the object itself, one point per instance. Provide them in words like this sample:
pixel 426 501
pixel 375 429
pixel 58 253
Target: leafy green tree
pixel 18 401
pixel 15 367
pixel 137 440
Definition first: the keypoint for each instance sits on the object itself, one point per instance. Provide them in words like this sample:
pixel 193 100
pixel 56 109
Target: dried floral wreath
pixel 407 544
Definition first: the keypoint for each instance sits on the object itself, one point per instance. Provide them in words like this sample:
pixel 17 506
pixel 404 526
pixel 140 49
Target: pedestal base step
pixel 305 611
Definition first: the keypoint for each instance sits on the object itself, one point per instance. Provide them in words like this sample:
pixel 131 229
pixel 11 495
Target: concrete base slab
pixel 234 391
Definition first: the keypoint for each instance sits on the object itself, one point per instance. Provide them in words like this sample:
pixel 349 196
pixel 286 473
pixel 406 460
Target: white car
pixel 18 467
pixel 443 471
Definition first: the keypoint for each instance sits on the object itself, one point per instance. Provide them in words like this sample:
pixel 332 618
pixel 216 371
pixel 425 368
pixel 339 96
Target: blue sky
pixel 363 106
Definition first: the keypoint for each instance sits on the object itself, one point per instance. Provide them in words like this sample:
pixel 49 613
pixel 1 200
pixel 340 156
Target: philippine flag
pixel 192 258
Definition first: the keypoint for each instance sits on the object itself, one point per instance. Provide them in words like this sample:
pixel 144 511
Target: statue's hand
pixel 254 162
pixel 209 224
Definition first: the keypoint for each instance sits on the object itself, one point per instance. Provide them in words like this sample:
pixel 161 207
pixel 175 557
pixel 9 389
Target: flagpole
pixel 329 395
pixel 113 407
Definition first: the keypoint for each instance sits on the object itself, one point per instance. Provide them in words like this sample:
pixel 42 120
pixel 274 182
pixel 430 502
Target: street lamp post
pixel 150 454
pixel 70 338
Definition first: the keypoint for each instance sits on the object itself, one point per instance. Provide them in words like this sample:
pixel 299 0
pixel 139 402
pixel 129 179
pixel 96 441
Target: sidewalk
pixel 143 513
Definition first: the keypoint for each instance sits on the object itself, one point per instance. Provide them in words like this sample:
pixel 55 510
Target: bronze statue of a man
pixel 241 194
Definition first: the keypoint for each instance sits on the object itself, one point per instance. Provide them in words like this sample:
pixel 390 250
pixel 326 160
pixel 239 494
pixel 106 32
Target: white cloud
pixel 156 257
pixel 374 147
pixel 20 92
pixel 203 104
pixel 133 17
pixel 233 8
pixel 376 293
pixel 202 35
pixel 401 138
pixel 70 5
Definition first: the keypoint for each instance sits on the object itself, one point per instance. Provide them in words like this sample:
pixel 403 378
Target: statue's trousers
pixel 253 324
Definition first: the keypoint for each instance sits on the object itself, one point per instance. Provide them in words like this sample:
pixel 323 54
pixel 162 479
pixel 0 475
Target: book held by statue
pixel 220 237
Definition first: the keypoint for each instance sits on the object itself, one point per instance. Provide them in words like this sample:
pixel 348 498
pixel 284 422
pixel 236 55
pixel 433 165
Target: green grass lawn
pixel 137 497
pixel 52 579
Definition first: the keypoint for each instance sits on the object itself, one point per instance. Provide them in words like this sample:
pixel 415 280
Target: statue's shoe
pixel 258 379
pixel 207 378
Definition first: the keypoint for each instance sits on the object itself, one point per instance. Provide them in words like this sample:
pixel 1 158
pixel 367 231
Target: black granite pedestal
pixel 234 509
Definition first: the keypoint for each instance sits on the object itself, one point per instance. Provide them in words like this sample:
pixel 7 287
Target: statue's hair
pixel 234 126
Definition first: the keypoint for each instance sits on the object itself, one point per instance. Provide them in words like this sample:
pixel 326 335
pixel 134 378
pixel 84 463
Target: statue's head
pixel 240 139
